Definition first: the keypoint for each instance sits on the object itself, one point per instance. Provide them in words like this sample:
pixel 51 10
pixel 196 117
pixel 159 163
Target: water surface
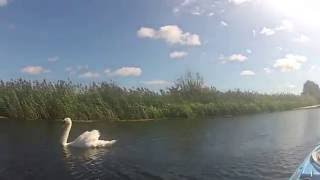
pixel 262 146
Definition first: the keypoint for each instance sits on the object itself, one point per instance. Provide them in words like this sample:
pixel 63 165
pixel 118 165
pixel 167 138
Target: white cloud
pixel 249 51
pixel 156 82
pixel 53 59
pixel 314 68
pixel 237 58
pixel 290 62
pixel 223 23
pixel 267 31
pixel 247 73
pixel 196 13
pixel 3 3
pixel 254 33
pixel 145 32
pixel 197 7
pixel 301 39
pixel 210 14
pixel 82 68
pixel 34 70
pixel 82 71
pixel 187 2
pixel 107 71
pixel 267 70
pixel 176 10
pixel 125 72
pixel 291 86
pixel 172 34
pixel 68 69
pixel 286 25
pixel 178 54
pixel 238 2
pixel 89 74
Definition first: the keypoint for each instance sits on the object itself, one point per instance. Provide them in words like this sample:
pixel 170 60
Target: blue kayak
pixel 310 168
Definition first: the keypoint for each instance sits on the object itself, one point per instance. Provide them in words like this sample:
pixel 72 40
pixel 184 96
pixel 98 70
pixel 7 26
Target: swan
pixel 88 139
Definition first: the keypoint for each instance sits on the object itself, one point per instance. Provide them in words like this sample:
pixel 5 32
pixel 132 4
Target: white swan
pixel 87 139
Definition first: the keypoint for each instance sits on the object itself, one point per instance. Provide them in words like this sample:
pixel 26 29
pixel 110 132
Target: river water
pixel 261 146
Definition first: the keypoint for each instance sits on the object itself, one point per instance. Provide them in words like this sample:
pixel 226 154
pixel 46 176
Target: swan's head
pixel 67 121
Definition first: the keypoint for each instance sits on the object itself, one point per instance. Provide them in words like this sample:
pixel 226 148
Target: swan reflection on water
pixel 85 163
pixel 83 154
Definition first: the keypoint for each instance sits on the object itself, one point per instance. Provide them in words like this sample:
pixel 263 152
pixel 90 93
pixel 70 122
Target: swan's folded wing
pixel 103 143
pixel 87 138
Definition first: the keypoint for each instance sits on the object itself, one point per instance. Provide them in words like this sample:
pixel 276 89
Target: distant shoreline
pixel 308 107
pixel 157 119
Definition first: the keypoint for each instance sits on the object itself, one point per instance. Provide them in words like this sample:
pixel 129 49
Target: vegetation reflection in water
pixel 188 97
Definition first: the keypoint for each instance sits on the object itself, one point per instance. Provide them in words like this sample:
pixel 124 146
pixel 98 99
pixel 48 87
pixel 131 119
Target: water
pixel 263 146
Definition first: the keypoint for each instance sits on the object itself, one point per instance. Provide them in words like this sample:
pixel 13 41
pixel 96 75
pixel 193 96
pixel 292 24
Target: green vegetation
pixel 187 98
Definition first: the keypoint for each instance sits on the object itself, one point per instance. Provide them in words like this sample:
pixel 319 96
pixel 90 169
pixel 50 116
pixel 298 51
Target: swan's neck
pixel 65 135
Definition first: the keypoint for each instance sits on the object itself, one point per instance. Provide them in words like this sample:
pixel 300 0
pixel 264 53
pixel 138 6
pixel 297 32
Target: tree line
pixel 188 97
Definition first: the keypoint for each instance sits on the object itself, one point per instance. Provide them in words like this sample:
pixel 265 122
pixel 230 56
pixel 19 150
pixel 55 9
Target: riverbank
pixel 187 98
pixel 179 118
pixel 308 107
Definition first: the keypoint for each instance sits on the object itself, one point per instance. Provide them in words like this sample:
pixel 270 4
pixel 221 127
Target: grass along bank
pixel 187 98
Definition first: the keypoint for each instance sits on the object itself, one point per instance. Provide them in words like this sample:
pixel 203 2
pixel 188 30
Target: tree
pixel 311 89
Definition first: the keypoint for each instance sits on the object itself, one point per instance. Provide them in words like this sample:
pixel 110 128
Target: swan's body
pixel 87 139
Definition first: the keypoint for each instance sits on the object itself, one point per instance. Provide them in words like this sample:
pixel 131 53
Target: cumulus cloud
pixel 178 54
pixel 238 2
pixel 223 23
pixel 254 33
pixel 196 13
pixel 237 58
pixel 107 71
pixel 267 70
pixel 3 3
pixel 279 48
pixel 301 39
pixel 187 2
pixel 34 70
pixel 156 82
pixel 290 62
pixel 285 25
pixel 210 14
pixel 314 68
pixel 69 69
pixel 53 59
pixel 172 34
pixel 82 71
pixel 145 32
pixel 291 86
pixel 267 31
pixel 127 71
pixel 247 73
pixel 197 7
pixel 89 74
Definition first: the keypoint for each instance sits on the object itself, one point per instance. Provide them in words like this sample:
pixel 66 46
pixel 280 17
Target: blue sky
pixel 261 45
